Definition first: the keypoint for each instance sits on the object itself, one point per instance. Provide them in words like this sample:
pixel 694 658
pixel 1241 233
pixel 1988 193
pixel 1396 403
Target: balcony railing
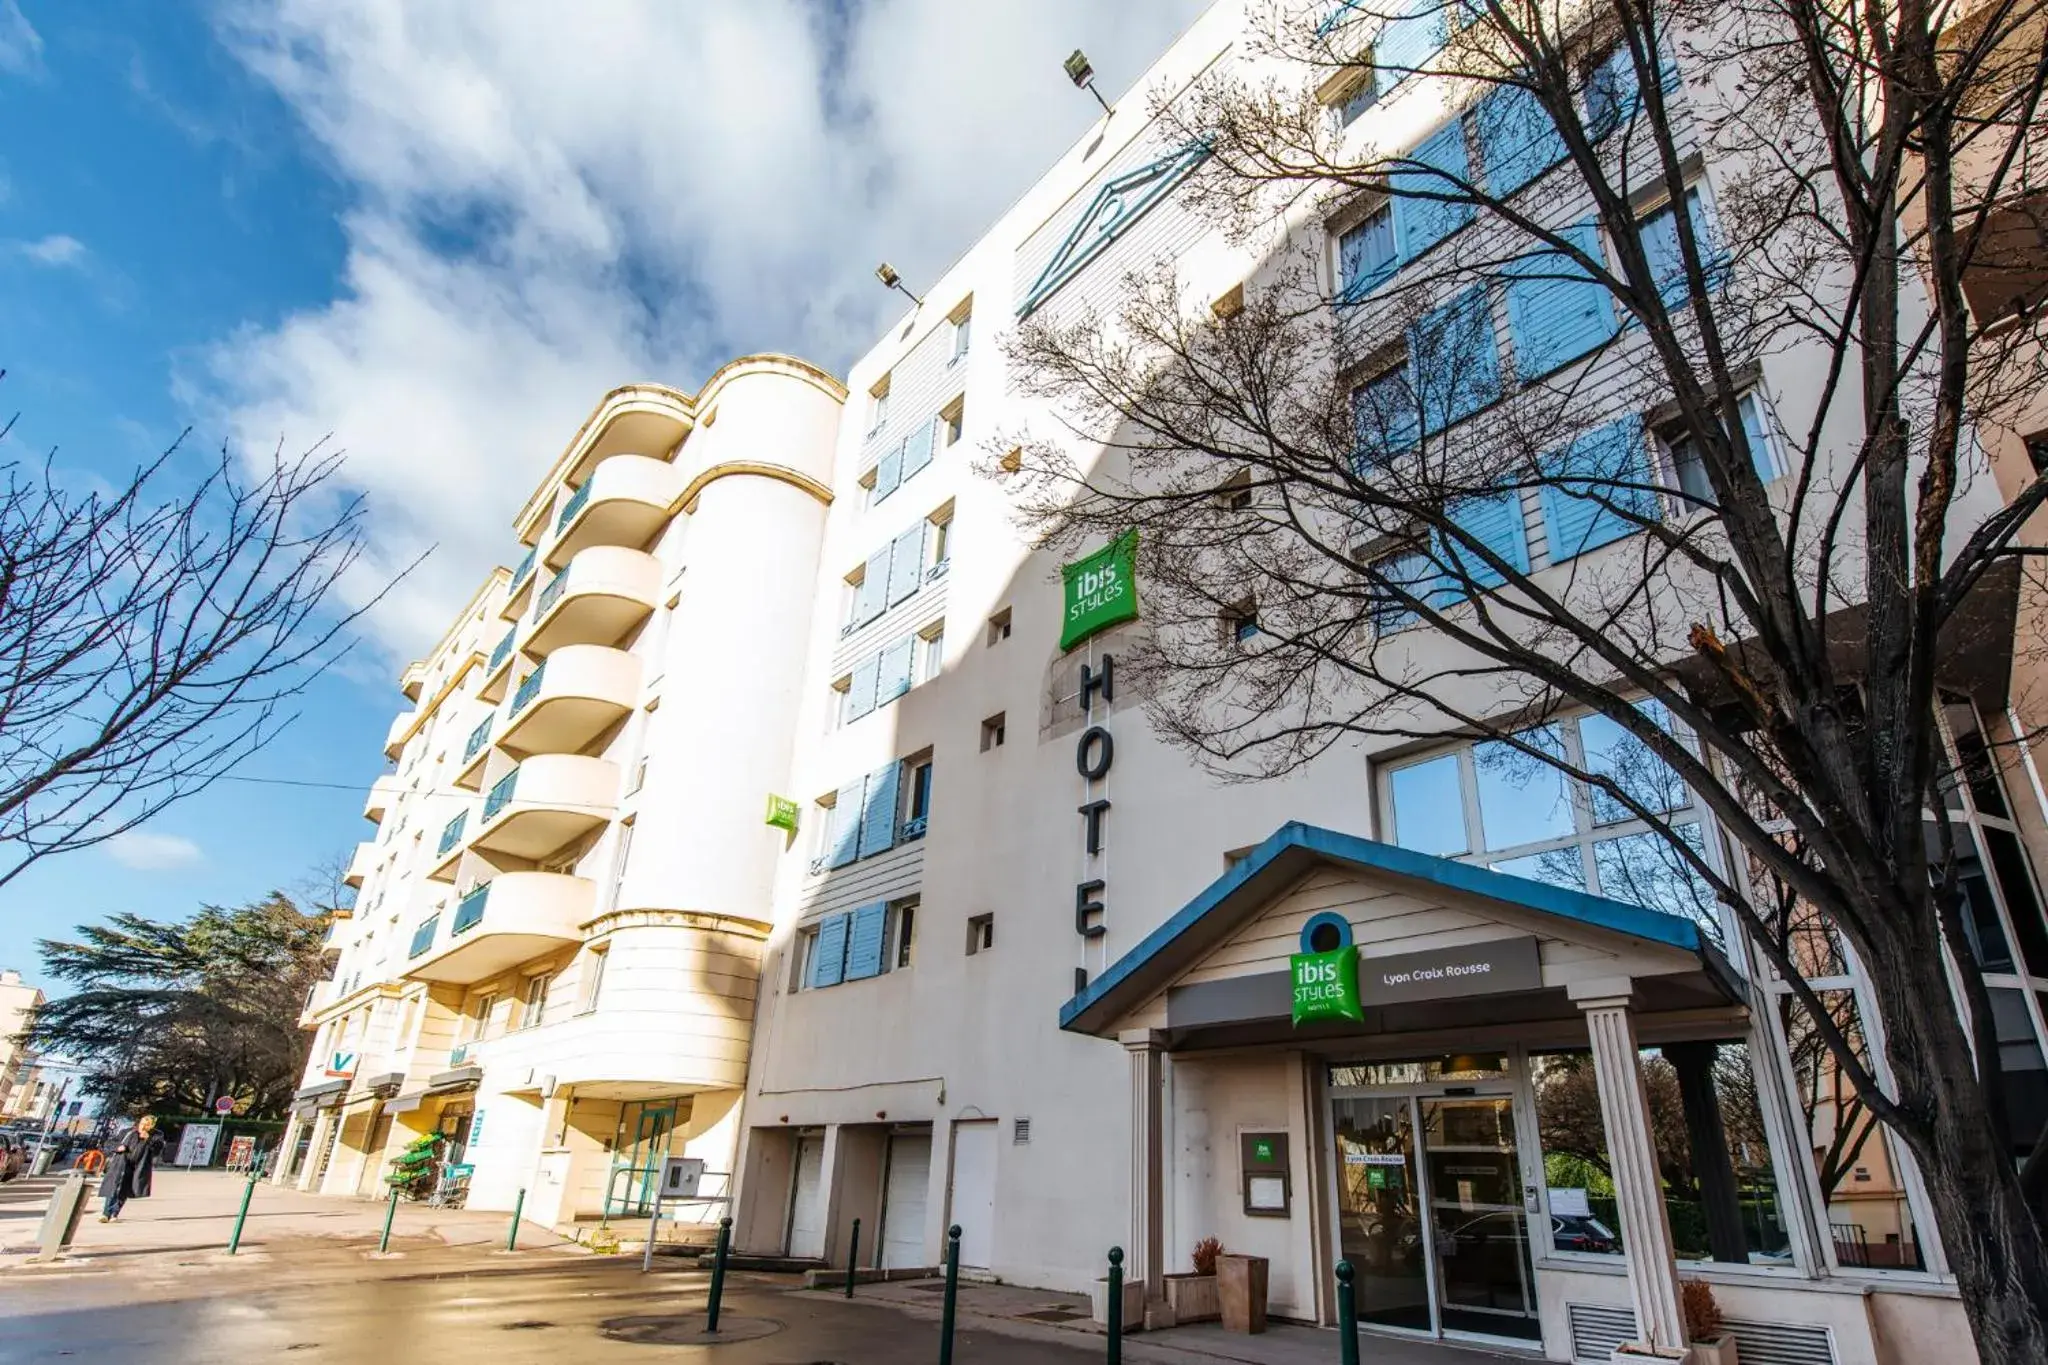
pixel 503 651
pixel 574 505
pixel 529 689
pixel 470 911
pixel 451 833
pixel 501 794
pixel 552 592
pixel 525 567
pixel 913 828
pixel 423 937
pixel 937 571
pixel 459 1054
pixel 477 739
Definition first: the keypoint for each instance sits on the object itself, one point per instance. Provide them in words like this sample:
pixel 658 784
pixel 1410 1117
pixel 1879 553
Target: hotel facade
pixel 757 815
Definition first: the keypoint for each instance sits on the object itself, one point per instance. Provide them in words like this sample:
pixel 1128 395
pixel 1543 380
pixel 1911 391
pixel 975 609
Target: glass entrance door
pixel 1379 1211
pixel 1483 1279
pixel 1430 1213
pixel 636 1165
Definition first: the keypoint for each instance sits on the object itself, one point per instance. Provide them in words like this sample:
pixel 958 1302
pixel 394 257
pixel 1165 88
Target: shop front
pixel 1525 1111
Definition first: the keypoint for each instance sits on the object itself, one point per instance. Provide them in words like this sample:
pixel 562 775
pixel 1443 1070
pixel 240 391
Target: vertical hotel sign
pixel 1100 591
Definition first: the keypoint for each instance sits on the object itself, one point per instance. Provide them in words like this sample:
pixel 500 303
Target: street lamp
pixel 886 273
pixel 1083 76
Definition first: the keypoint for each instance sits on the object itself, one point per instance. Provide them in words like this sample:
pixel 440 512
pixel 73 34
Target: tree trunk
pixel 1994 1246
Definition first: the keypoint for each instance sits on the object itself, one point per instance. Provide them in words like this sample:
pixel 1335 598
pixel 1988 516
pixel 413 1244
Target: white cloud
pixel 21 47
pixel 56 251
pixel 548 201
pixel 146 852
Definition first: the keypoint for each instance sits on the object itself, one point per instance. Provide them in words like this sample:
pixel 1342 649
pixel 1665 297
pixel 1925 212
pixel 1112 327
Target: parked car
pixel 14 1156
pixel 1576 1232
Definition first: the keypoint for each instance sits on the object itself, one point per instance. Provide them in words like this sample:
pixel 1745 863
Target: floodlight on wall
pixel 1083 76
pixel 886 273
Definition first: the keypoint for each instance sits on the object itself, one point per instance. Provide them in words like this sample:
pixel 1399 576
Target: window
pixel 867 486
pixel 624 851
pixel 594 964
pixel 1363 95
pixel 952 418
pixel 1241 623
pixel 1367 255
pixel 1400 577
pixel 1659 230
pixel 934 653
pixel 1688 473
pixel 1235 492
pixel 962 319
pixel 821 828
pixel 478 1020
pixel 805 958
pixel 903 933
pixel 878 405
pixel 840 711
pixel 1454 359
pixel 856 581
pixel 999 627
pixel 921 790
pixel 992 732
pixel 1497 803
pixel 534 1008
pixel 940 539
pixel 981 933
pixel 1383 417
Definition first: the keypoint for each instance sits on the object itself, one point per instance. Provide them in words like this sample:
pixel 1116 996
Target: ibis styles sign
pixel 1101 590
pixel 1326 986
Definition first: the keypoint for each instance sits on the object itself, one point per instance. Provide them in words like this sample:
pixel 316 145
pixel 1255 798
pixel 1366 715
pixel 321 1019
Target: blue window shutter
pixel 873 598
pixel 878 811
pixel 1612 93
pixel 1583 508
pixel 1413 572
pixel 1667 262
pixel 860 697
pixel 1366 256
pixel 1383 418
pixel 1425 222
pixel 892 679
pixel 1495 521
pixel 1517 138
pixel 1752 413
pixel 889 471
pixel 906 563
pixel 917 451
pixel 1455 360
pixel 1557 313
pixel 828 954
pixel 1409 42
pixel 864 944
pixel 846 812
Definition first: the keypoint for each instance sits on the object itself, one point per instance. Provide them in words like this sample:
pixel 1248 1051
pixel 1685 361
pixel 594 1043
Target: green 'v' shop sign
pixel 1101 590
pixel 1326 986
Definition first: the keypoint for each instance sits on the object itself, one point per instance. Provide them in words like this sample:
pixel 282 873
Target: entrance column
pixel 281 1155
pixel 1145 1256
pixel 1625 1110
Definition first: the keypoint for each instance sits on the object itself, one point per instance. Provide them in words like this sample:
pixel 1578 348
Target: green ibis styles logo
pixel 1101 590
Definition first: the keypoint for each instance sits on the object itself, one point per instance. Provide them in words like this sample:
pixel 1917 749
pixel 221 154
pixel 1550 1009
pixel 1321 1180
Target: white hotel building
pixel 577 948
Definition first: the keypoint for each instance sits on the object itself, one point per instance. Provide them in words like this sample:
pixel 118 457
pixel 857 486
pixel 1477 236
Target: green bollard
pixel 718 1273
pixel 512 1236
pixel 1347 1317
pixel 1116 1306
pixel 390 1212
pixel 852 1257
pixel 952 1291
pixel 241 1216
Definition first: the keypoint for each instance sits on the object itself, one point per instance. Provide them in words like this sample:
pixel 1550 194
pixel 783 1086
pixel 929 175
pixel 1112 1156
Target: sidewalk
pixel 195 1210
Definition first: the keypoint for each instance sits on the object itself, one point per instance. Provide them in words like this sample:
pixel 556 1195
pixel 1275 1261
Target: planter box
pixel 1134 1303
pixel 1194 1298
pixel 1719 1351
pixel 1627 1356
pixel 1241 1284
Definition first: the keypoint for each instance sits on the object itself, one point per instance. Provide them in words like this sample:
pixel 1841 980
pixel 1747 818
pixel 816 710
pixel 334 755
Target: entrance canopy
pixel 1443 945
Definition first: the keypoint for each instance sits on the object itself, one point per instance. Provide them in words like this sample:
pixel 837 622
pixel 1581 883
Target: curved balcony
pixel 625 501
pixel 383 792
pixel 511 918
pixel 546 802
pixel 578 693
pixel 498 668
pixel 359 865
pixel 469 769
pixel 400 731
pixel 448 849
pixel 605 592
pixel 522 586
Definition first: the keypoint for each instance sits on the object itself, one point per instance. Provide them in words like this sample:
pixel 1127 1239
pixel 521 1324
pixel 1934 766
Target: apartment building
pixel 19 1002
pixel 928 927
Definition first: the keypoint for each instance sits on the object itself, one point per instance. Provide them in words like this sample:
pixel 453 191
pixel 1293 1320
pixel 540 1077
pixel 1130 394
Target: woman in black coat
pixel 129 1167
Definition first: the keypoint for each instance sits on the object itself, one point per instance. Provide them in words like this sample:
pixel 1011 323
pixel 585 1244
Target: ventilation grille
pixel 1597 1331
pixel 1778 1343
pixel 1020 1131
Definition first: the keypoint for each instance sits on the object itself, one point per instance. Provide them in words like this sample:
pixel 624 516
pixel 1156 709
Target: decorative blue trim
pixel 1317 921
pixel 1117 205
pixel 1653 926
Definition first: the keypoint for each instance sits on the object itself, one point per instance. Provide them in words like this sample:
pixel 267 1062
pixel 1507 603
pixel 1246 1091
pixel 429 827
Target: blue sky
pixel 437 234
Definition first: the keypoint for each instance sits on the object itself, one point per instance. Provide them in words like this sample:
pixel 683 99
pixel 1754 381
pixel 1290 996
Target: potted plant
pixel 1195 1297
pixel 1712 1343
pixel 1241 1285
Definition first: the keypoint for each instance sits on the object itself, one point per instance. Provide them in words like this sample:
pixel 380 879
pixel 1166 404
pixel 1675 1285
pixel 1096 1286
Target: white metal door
pixel 807 1205
pixel 910 1173
pixel 974 1191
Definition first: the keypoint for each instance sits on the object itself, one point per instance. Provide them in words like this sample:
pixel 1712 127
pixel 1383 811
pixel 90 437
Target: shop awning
pixel 449 1082
pixel 385 1084
pixel 404 1104
pixel 1218 972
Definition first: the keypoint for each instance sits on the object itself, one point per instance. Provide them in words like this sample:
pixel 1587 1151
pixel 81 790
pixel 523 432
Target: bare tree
pixel 1332 476
pixel 152 637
